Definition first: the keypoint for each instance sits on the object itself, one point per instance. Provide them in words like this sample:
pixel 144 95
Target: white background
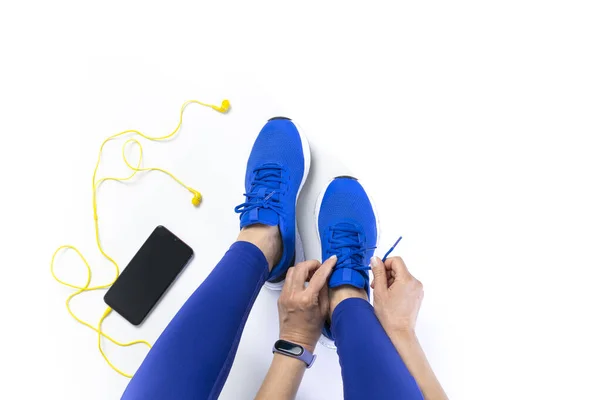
pixel 473 124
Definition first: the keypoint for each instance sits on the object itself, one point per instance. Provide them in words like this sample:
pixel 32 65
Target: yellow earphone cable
pixel 196 199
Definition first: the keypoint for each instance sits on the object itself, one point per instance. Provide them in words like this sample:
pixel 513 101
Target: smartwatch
pixel 295 351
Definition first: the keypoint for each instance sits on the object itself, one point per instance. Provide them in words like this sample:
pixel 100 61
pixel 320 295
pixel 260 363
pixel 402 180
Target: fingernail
pixel 373 261
pixel 333 257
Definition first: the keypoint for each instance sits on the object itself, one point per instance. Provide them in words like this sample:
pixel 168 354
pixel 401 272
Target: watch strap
pixel 306 356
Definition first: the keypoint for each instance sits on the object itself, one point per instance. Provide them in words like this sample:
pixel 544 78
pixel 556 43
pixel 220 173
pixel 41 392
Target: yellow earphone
pixel 225 106
pixel 196 199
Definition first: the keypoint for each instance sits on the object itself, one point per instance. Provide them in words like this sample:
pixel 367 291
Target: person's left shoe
pixel 347 227
pixel 277 169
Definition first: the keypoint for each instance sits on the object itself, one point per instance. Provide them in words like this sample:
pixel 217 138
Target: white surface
pixel 475 124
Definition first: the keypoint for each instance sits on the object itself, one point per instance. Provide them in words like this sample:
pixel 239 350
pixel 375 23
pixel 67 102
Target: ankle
pixel 341 293
pixel 266 238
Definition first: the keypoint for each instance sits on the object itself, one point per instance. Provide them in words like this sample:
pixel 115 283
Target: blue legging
pixel 193 356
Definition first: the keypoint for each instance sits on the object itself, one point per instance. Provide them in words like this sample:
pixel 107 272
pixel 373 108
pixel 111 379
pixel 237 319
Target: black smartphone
pixel 148 275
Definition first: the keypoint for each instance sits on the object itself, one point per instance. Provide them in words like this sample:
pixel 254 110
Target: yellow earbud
pixel 197 197
pixel 225 106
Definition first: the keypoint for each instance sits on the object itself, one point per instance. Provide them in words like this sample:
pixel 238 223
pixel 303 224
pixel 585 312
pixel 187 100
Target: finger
pixel 398 268
pixel 289 277
pixel 319 279
pixel 302 271
pixel 390 282
pixel 388 275
pixel 379 274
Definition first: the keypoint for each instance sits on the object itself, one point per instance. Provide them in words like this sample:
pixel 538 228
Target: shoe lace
pixel 264 187
pixel 346 243
pixel 355 255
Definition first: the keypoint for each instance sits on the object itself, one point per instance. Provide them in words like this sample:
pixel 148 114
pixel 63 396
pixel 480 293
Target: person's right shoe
pixel 347 227
pixel 276 171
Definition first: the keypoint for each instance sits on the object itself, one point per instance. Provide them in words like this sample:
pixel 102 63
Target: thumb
pixel 379 276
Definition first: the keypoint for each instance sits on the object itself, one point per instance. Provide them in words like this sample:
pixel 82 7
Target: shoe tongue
pixel 347 276
pixel 259 215
pixel 344 225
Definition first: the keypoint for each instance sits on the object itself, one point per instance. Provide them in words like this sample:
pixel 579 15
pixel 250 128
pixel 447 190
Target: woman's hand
pixel 397 295
pixel 303 309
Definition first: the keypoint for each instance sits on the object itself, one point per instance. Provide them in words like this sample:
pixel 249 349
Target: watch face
pixel 288 347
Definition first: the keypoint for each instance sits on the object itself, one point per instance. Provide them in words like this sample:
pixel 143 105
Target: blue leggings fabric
pixel 193 356
pixel 371 366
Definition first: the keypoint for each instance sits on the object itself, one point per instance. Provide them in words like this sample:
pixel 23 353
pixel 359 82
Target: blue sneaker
pixel 347 227
pixel 276 171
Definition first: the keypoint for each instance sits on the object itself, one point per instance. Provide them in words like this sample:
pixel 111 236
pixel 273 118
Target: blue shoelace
pixel 354 258
pixel 391 249
pixel 264 189
pixel 350 250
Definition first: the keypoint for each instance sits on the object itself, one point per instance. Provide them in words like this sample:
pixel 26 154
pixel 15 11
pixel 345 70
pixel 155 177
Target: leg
pixel 193 356
pixel 371 366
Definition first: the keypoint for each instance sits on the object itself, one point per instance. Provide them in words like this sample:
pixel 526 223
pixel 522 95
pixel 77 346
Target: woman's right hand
pixel 397 295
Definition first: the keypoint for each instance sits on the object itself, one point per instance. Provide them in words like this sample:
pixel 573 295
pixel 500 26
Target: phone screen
pixel 148 275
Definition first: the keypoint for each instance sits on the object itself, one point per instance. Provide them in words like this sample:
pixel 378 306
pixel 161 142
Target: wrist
pixel 307 344
pixel 283 361
pixel 405 342
pixel 294 351
pixel 403 336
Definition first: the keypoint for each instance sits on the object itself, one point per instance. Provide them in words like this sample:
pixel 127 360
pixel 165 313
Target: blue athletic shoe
pixel 347 227
pixel 276 171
